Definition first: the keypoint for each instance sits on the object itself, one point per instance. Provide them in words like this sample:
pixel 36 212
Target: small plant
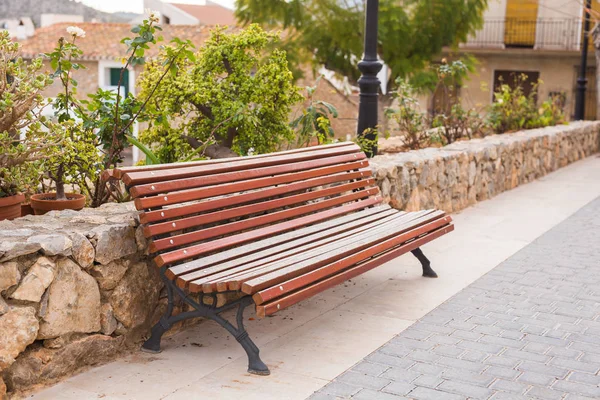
pixel 315 121
pixel 366 144
pixel 459 123
pixel 23 137
pixel 514 110
pixel 410 122
pixel 95 130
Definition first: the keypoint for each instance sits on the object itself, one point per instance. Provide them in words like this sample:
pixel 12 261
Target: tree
pixel 330 32
pixel 230 98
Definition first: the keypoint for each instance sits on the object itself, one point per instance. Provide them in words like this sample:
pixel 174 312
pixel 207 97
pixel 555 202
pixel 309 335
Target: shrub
pixel 411 123
pixel 231 98
pixel 23 139
pixel 514 110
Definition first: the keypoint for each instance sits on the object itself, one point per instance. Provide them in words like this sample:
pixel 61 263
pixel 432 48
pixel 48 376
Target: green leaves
pixel 330 32
pixel 231 92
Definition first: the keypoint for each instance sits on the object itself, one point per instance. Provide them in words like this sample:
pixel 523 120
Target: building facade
pixel 539 38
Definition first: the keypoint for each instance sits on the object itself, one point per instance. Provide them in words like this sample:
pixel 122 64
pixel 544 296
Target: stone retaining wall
pixel 76 288
pixel 459 175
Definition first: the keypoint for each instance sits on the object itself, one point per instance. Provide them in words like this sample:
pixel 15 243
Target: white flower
pixel 76 31
pixel 500 101
pixel 153 15
pixel 251 151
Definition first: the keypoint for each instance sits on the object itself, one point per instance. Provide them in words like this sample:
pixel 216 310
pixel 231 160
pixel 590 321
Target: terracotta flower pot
pixel 10 207
pixel 44 202
pixel 26 209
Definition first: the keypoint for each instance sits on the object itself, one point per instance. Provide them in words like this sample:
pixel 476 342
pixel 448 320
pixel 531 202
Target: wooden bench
pixel 275 228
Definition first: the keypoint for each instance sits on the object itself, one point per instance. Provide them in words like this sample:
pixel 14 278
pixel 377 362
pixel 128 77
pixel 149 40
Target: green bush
pixel 513 110
pixel 230 97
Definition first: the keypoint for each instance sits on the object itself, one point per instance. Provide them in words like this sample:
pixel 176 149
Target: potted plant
pixel 23 138
pixel 76 160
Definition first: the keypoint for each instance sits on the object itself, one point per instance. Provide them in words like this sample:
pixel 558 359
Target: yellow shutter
pixel 520 24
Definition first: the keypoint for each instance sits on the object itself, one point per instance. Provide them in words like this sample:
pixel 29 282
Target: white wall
pixel 51 19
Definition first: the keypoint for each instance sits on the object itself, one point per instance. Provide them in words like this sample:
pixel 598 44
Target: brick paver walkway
pixel 529 329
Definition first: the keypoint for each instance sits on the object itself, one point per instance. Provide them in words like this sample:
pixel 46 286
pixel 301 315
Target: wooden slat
pixel 234 165
pixel 251 283
pixel 231 227
pixel 291 299
pixel 199 249
pixel 249 209
pixel 259 246
pixel 206 280
pixel 119 172
pixel 318 256
pixel 198 180
pixel 322 255
pixel 222 202
pixel 285 287
pixel 227 188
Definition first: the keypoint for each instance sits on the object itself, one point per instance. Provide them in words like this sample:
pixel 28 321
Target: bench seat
pixel 275 229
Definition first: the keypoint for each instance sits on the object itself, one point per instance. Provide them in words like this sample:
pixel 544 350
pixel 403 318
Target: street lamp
pixel 369 84
pixel 581 79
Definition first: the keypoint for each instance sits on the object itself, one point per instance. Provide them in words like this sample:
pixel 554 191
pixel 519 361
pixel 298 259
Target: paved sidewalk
pixel 529 329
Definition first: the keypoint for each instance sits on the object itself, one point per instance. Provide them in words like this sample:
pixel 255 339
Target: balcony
pixel 540 34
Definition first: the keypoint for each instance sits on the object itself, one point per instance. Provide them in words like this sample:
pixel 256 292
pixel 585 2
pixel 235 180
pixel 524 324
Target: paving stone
pixel 577 388
pixel 526 356
pixel 451 351
pixel 502 372
pixel 388 360
pixel 502 361
pixel 338 388
pixel 536 379
pixel 400 375
pixel 367 394
pixel 368 368
pixel 362 380
pixel 538 368
pixel 510 386
pixel 468 377
pixel 575 365
pixel 399 388
pixel 471 391
pixel 474 355
pixel 428 381
pixel 423 393
pixel 545 393
pixel 429 369
pixel 461 364
pixel 582 377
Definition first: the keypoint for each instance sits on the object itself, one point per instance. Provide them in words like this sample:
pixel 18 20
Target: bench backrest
pixel 191 209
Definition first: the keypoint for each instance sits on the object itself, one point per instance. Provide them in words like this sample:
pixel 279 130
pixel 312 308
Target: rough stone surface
pixel 9 275
pixel 114 242
pixel 454 177
pixel 529 329
pixel 48 365
pixel 3 306
pixel 18 329
pixel 73 303
pixel 83 251
pixel 108 322
pixel 38 278
pixel 109 275
pixel 53 244
pixel 134 299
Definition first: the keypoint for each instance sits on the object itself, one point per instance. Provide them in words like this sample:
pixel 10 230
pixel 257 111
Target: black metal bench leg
pixel 152 345
pixel 427 271
pixel 255 364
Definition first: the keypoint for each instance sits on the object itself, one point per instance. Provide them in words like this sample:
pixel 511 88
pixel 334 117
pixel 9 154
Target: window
pixel 115 75
pixel 512 78
pixel 109 73
pixel 166 20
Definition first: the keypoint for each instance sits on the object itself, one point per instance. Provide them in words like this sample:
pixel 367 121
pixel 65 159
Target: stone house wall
pixel 78 288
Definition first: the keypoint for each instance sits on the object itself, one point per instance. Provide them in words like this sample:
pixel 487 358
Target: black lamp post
pixel 369 66
pixel 581 79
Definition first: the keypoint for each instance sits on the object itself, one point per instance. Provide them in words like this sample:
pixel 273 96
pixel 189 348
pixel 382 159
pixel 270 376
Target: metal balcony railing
pixel 547 34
